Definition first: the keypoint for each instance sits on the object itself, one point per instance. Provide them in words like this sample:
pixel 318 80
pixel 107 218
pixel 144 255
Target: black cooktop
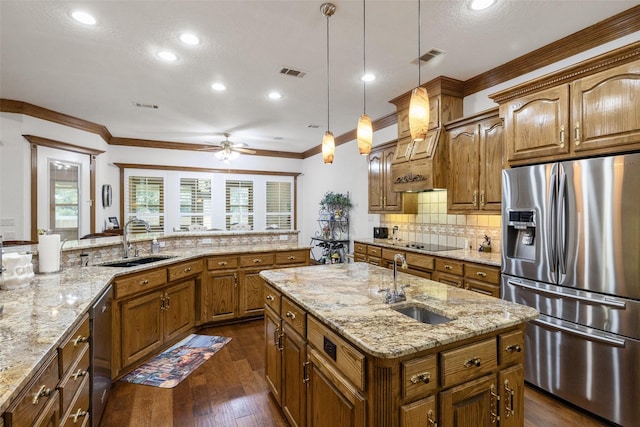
pixel 430 247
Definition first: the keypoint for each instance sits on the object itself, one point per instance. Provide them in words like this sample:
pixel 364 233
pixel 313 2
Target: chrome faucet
pixel 125 241
pixel 396 295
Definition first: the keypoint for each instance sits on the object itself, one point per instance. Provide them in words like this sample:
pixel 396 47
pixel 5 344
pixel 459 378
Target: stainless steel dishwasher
pixel 100 321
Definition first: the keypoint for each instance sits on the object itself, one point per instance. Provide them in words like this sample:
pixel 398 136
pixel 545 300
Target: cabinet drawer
pixel 78 414
pixel 140 282
pixel 272 298
pixel 388 254
pixel 359 258
pixel 360 248
pixel 482 287
pixel 72 381
pixel 375 251
pixel 419 261
pixel 76 343
pixel 292 257
pixel 375 261
pixel 450 266
pixel 256 260
pixel 448 279
pixel 184 269
pixel 349 361
pixel 484 273
pixel 294 316
pixel 511 348
pixel 222 262
pixel 468 362
pixel 26 408
pixel 419 377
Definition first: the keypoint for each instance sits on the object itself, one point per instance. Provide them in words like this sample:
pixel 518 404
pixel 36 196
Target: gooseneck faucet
pixel 125 241
pixel 395 295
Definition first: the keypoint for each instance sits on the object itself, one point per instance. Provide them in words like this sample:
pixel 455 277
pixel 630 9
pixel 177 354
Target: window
pixel 239 205
pixel 146 201
pixel 279 206
pixel 63 178
pixel 195 203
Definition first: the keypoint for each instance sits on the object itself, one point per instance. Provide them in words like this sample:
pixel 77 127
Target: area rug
pixel 170 367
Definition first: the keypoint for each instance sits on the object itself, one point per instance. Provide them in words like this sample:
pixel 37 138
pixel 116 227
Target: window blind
pixel 146 201
pixel 239 205
pixel 279 206
pixel 195 203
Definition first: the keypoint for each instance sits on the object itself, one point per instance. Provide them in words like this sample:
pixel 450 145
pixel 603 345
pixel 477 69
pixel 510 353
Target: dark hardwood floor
pixel 229 390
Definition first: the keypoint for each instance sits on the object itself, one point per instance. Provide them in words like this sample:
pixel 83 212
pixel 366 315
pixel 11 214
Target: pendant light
pixel 328 143
pixel 364 130
pixel 419 104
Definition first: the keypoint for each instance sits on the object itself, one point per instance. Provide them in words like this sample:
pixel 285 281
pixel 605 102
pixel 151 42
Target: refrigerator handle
pixel 551 254
pixel 562 223
pixel 586 335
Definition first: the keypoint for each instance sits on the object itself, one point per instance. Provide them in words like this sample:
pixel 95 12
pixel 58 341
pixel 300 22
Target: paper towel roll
pixel 49 253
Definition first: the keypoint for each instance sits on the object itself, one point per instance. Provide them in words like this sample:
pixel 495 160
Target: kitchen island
pixel 338 355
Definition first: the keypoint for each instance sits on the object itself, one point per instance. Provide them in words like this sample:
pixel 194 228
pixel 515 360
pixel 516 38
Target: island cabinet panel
pixel 471 404
pixel 422 413
pixel 419 377
pixel 273 356
pixel 50 415
pixel 78 413
pixel 511 392
pixel 72 382
pixel 468 362
pixel 294 387
pixel 511 348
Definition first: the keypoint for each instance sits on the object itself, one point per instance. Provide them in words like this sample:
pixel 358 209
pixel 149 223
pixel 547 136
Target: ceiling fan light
pixel 328 147
pixel 364 134
pixel 419 114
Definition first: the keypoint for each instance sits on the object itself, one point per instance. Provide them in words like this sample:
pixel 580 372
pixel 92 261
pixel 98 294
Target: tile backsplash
pixel 432 224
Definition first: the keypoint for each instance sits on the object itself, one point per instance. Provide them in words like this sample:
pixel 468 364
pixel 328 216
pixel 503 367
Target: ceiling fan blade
pixel 243 150
pixel 211 149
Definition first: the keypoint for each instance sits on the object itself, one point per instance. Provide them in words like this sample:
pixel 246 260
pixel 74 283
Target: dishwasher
pixel 100 372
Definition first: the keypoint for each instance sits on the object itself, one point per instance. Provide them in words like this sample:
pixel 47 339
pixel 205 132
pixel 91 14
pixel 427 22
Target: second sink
pixel 423 315
pixel 132 262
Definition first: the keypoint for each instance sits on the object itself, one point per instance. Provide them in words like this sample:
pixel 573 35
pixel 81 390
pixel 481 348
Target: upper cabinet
pixel 591 108
pixel 382 199
pixel 475 163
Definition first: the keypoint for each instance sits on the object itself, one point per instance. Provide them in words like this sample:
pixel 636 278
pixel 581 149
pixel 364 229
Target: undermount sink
pixel 132 262
pixel 423 315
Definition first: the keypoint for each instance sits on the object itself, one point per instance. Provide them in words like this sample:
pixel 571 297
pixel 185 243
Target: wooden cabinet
pixel 475 164
pixel 449 271
pixel 294 388
pixel 382 199
pixel 359 252
pixel 483 279
pixel 420 264
pixel 273 339
pixel 251 285
pixel 419 414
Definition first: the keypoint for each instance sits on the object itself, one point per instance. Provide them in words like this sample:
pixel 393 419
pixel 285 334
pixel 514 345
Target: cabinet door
pixel 403 150
pixel 422 413
pixel 376 180
pixel 251 293
pixel 491 164
pixel 392 201
pixel 537 125
pixel 331 399
pixel 50 415
pixel 273 358
pixel 511 388
pixel 464 170
pixel 403 123
pixel 604 114
pixel 179 316
pixel 294 388
pixel 219 296
pixel 449 279
pixel 472 404
pixel 141 321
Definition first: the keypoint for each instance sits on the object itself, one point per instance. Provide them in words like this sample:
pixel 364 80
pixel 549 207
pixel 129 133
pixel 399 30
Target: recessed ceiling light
pixel 368 77
pixel 218 87
pixel 275 95
pixel 481 4
pixel 167 56
pixel 83 17
pixel 190 39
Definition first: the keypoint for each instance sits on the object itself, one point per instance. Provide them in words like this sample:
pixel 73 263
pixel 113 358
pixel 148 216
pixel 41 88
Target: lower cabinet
pixel 294 380
pixel 419 414
pixel 273 354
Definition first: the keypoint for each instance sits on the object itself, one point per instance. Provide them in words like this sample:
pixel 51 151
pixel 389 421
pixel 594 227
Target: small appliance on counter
pixel 380 233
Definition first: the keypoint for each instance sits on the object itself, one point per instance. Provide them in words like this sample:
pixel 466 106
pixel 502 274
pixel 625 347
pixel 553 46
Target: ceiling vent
pixel 312 126
pixel 292 72
pixel 430 55
pixel 141 105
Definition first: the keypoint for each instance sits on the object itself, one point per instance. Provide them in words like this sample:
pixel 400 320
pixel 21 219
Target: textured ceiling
pixel 98 73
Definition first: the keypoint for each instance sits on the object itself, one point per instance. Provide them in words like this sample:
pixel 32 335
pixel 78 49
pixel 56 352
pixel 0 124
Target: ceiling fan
pixel 227 150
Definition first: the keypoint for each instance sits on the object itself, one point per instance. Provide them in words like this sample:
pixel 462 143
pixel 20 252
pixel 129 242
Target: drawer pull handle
pixel 257 260
pixel 188 269
pixel 291 315
pixel 508 400
pixel 79 340
pixel 481 274
pixel 513 348
pixel 421 378
pixel 144 282
pixel 81 373
pixel 431 419
pixel 79 413
pixel 291 258
pixel 222 263
pixel 493 405
pixel 472 362
pixel 305 372
pixel 276 339
pixel 270 298
pixel 448 267
pixel 43 392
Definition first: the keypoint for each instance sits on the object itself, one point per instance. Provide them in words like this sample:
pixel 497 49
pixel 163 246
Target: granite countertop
pixel 37 317
pixel 345 297
pixel 488 258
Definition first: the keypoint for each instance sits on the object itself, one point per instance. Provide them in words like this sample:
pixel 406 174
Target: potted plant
pixel 336 204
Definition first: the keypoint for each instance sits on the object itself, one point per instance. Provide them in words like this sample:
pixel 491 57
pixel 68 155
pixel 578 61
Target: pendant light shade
pixel 419 103
pixel 419 114
pixel 328 147
pixel 365 135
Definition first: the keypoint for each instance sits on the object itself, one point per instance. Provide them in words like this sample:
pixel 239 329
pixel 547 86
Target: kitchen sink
pixel 132 262
pixel 423 315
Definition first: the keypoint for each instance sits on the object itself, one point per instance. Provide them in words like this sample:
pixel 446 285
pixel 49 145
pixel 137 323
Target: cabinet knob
pixel 475 362
pixel 448 267
pixel 79 413
pixel 257 260
pixel 481 274
pixel 81 373
pixel 79 340
pixel 43 392
pixel 188 269
pixel 291 258
pixel 270 298
pixel 421 378
pixel 144 282
pixel 513 348
pixel 290 315
pixel 222 263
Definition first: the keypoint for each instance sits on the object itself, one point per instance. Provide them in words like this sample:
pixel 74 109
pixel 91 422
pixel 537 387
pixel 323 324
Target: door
pixel 141 320
pixel 491 164
pixel 511 391
pixel 392 201
pixel 251 293
pixel 294 387
pixel 376 180
pixel 220 290
pixel 464 172
pixel 179 316
pixel 471 404
pixel 273 357
pixel 599 225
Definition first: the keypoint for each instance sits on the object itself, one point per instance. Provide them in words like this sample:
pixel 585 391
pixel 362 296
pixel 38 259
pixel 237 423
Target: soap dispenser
pixel 155 246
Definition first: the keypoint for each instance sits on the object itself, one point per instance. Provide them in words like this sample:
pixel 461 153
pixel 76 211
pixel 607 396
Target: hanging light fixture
pixel 419 104
pixel 364 130
pixel 328 143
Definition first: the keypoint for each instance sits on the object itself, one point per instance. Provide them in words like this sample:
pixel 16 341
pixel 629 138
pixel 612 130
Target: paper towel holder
pixel 106 195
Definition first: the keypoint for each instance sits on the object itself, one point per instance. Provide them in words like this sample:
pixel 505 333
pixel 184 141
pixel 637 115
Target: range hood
pixel 423 165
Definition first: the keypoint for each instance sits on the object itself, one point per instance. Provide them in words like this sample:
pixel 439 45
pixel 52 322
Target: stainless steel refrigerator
pixel 571 249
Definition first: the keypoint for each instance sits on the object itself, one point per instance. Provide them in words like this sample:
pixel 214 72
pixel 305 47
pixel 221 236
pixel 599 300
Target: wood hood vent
pixel 422 165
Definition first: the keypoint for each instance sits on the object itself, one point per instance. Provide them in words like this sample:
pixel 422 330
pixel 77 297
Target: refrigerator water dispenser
pixel 521 235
